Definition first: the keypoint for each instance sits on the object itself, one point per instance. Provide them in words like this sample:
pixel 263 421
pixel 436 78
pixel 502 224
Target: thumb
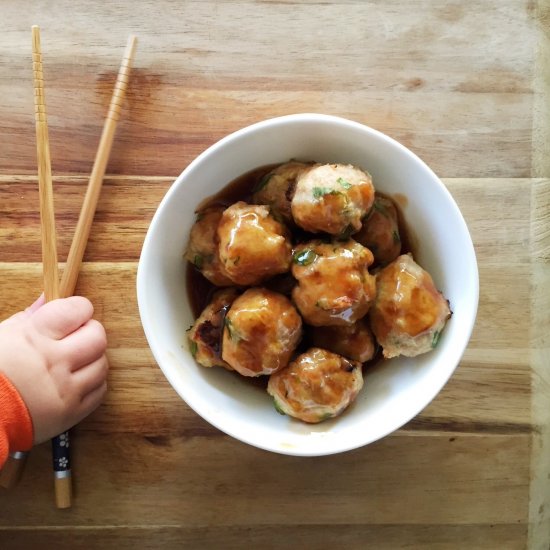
pixel 61 317
pixel 20 315
pixel 39 302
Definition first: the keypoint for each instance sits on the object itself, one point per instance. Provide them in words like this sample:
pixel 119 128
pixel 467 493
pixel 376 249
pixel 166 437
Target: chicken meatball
pixel 380 231
pixel 276 189
pixel 332 198
pixel 354 342
pixel 262 330
pixel 334 285
pixel 205 336
pixel 409 312
pixel 202 250
pixel 253 245
pixel 316 386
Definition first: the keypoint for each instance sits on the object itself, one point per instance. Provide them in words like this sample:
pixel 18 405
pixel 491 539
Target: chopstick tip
pixel 130 47
pixel 35 33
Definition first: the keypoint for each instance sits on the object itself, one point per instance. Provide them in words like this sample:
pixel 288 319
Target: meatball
pixel 355 341
pixel 205 336
pixel 332 198
pixel 334 285
pixel 316 386
pixel 262 330
pixel 253 245
pixel 380 231
pixel 276 189
pixel 409 313
pixel 202 250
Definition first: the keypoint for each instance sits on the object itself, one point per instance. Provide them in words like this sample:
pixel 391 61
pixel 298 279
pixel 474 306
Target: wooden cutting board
pixel 466 86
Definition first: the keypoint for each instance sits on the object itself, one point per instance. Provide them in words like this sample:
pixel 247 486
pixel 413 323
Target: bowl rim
pixel 299 118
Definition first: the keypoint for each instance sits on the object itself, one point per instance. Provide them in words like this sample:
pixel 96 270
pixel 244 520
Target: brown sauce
pixel 240 189
pixel 200 290
pixel 400 199
pixel 408 239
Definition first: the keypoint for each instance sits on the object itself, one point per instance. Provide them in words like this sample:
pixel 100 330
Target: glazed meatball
pixel 354 342
pixel 253 245
pixel 409 312
pixel 262 330
pixel 316 386
pixel 332 198
pixel 276 188
pixel 334 285
pixel 380 231
pixel 202 250
pixel 205 336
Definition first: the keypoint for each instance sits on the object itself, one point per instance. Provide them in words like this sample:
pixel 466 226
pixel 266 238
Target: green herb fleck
pixel 190 327
pixel 193 348
pixel 367 215
pixel 380 208
pixel 200 216
pixel 276 215
pixel 198 261
pixel 231 331
pixel 325 416
pixel 396 237
pixel 435 339
pixel 345 184
pixel 262 183
pixel 304 257
pixel 347 233
pixel 278 407
pixel 319 192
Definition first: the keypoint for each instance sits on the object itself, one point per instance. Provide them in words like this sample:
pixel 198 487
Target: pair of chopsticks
pixel 52 287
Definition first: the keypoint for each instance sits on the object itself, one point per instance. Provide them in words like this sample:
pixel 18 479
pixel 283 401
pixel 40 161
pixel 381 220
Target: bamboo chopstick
pixel 82 232
pixel 13 469
pixel 60 444
pixel 45 187
pixel 61 456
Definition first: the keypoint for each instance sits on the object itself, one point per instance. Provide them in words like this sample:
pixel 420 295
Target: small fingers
pixel 77 395
pixel 84 345
pixel 87 379
pixel 59 318
pixel 92 400
pixel 86 406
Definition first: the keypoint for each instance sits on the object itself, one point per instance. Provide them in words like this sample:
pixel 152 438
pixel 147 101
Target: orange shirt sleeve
pixel 16 432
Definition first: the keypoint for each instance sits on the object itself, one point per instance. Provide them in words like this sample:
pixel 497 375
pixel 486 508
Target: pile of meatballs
pixel 312 282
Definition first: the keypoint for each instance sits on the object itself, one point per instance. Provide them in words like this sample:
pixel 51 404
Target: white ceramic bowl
pixel 394 391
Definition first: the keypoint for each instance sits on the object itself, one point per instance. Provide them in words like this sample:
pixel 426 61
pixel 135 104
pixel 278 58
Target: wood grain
pixel 450 81
pixel 128 204
pixel 492 386
pixel 488 393
pixel 464 85
pixel 272 537
pixel 460 480
pixel 539 515
pixel 475 436
pixel 89 204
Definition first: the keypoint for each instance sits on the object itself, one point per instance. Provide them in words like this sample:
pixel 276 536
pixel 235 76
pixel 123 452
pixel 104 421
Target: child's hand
pixel 54 354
